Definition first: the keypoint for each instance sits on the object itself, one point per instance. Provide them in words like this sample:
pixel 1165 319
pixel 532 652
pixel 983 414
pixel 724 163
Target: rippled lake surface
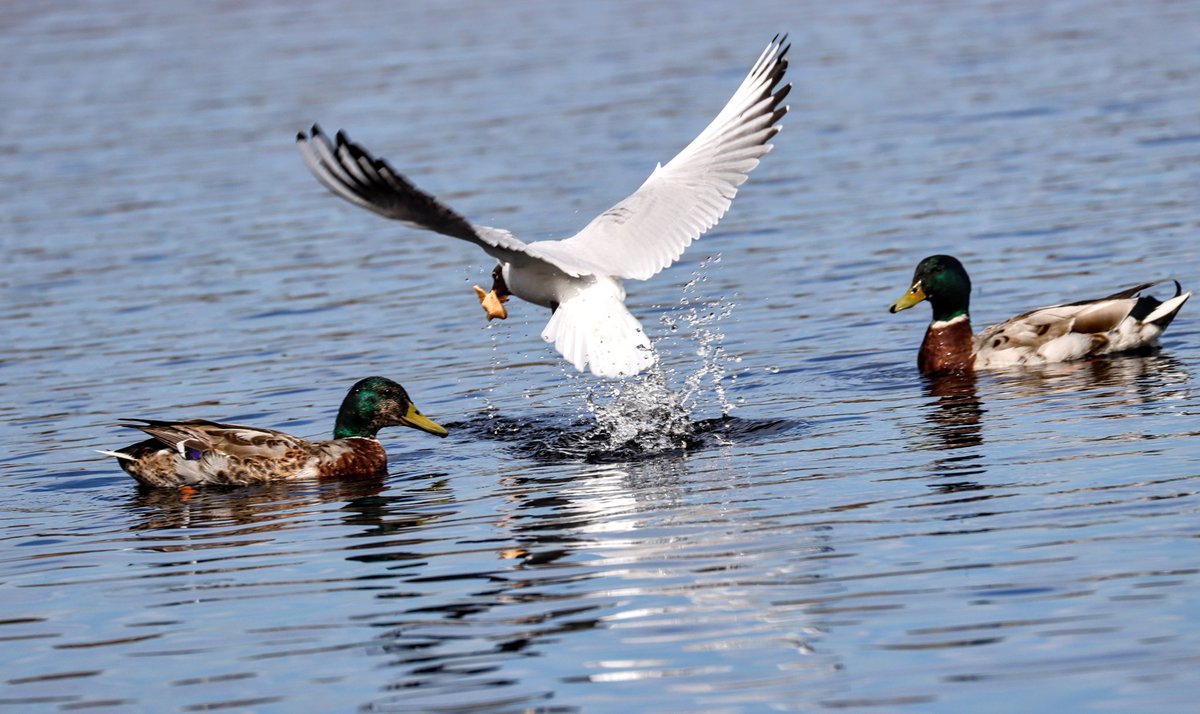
pixel 787 517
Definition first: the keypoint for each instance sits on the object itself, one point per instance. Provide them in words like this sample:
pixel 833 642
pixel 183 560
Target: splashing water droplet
pixel 696 320
pixel 644 416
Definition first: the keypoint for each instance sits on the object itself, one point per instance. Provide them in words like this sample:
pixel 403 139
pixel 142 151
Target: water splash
pixel 703 317
pixel 642 417
pixel 612 436
pixel 644 414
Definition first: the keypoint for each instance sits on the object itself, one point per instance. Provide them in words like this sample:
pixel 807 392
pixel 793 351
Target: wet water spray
pixel 645 413
pixel 702 318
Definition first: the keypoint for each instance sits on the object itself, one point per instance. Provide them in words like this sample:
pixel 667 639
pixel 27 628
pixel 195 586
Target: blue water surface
pixel 785 517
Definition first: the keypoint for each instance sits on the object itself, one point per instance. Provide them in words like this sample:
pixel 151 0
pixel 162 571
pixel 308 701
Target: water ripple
pixel 783 515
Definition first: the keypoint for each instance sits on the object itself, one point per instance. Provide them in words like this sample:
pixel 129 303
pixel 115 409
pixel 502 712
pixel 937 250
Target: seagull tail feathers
pixel 594 329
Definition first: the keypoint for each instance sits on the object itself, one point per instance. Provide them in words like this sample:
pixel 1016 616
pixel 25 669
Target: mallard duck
pixel 579 278
pixel 1122 322
pixel 198 452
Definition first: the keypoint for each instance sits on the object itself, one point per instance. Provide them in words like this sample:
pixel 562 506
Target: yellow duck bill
pixel 417 420
pixel 914 295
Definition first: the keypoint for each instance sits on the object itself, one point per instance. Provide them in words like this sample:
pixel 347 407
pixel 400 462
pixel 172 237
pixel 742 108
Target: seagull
pixel 580 278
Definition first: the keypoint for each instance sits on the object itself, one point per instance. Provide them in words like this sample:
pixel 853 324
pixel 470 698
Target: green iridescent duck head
pixel 941 280
pixel 376 402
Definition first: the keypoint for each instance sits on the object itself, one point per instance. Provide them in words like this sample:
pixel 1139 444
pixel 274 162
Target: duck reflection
pixel 1119 385
pixel 955 418
pixel 956 413
pixel 1131 380
pixel 262 508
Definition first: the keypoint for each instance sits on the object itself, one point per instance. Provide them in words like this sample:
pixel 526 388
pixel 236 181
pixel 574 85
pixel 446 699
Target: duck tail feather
pixel 1163 314
pixel 116 454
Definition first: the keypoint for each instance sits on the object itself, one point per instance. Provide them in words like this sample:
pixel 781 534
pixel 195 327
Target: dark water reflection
pixel 956 422
pixel 568 438
pixel 259 506
pixel 785 517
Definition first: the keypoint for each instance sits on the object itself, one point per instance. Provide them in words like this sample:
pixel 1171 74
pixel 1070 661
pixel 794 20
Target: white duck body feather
pixel 1122 322
pixel 580 277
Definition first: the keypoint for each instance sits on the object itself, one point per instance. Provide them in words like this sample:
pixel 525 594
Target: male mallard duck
pixel 198 452
pixel 1121 322
pixel 579 278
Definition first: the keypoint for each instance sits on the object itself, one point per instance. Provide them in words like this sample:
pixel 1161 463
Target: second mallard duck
pixel 1122 322
pixel 198 452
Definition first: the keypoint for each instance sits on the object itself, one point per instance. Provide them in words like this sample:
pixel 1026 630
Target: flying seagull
pixel 579 278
